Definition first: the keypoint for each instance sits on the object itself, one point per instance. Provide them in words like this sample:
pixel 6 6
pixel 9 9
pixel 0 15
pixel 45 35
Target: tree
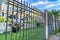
pixel 55 14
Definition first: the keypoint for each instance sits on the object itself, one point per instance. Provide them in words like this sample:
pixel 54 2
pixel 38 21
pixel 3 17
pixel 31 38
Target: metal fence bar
pixel 24 22
pixel 32 22
pixel 20 20
pixel 7 20
pixel 20 25
pixel 29 23
pixel 27 36
pixel 20 38
pixel 17 20
pixel 12 20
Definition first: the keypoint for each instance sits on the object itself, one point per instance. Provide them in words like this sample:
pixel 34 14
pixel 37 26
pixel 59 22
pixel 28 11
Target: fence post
pixel 46 21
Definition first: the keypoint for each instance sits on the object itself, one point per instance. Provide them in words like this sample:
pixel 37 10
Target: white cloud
pixel 52 5
pixel 40 2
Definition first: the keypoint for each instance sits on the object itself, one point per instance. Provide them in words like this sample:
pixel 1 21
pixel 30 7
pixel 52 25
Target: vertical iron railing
pixel 12 20
pixel 31 19
pixel 31 26
pixel 26 28
pixel 20 20
pixel 17 20
pixel 7 20
pixel 24 21
pixel 27 36
pixel 29 22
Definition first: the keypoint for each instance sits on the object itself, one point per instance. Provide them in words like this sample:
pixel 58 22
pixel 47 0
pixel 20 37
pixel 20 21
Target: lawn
pixel 37 33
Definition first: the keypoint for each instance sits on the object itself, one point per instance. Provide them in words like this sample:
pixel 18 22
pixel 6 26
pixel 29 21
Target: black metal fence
pixel 22 22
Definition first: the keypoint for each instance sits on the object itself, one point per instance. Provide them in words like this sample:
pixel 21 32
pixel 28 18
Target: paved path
pixel 55 37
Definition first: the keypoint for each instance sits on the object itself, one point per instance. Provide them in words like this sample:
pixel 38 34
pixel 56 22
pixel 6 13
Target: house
pixel 22 12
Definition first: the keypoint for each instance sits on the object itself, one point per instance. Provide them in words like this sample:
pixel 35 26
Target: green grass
pixel 32 34
pixel 57 30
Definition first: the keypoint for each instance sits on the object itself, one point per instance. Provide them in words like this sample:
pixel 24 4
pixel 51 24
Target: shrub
pixel 56 31
pixel 2 19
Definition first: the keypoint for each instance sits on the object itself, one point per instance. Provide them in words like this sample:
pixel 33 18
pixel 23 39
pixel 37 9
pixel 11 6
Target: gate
pixel 22 22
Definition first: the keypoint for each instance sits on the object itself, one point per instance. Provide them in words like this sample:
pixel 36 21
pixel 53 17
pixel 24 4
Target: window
pixel 2 13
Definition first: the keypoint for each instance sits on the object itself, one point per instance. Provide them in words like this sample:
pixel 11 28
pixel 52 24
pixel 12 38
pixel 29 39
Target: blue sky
pixel 45 4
